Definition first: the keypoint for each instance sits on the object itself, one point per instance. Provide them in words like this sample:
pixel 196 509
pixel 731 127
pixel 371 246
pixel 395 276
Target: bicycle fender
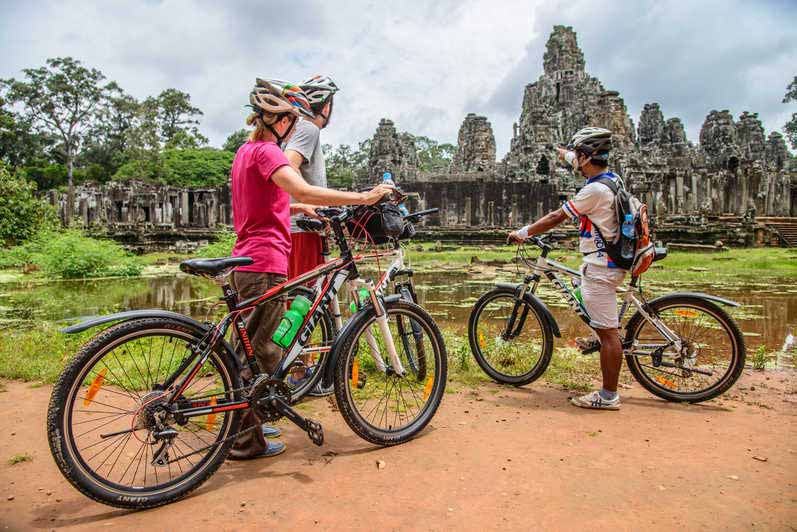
pixel 329 369
pixel 537 303
pixel 699 295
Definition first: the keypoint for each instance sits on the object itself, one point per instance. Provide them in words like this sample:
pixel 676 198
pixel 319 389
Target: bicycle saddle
pixel 213 267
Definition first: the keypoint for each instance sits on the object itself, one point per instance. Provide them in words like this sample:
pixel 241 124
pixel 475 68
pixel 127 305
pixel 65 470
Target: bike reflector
pixel 685 312
pixel 355 373
pixel 95 387
pixel 482 343
pixel 428 388
pixel 666 382
pixel 210 422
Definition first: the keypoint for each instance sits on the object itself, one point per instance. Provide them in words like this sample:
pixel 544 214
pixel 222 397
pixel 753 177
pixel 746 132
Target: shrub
pixel 72 255
pixel 200 167
pixel 222 247
pixel 21 213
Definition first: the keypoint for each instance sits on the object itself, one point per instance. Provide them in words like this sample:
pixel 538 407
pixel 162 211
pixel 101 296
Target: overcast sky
pixel 423 64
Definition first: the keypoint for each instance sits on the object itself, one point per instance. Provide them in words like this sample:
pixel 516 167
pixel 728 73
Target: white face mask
pixel 572 159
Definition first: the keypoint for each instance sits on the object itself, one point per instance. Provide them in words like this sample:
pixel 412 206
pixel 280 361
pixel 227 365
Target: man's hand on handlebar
pixel 377 194
pixel 515 238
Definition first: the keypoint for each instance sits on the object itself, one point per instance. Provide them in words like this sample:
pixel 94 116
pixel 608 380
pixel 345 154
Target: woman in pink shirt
pixel 262 183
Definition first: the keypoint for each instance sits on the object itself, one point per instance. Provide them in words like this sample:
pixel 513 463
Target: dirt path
pixel 493 457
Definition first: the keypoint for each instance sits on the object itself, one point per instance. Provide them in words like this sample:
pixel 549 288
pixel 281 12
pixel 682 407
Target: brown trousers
pixel 260 326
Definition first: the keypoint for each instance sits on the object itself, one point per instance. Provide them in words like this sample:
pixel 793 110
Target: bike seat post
pixel 230 296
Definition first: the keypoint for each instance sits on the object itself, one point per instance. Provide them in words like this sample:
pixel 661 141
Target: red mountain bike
pixel 149 408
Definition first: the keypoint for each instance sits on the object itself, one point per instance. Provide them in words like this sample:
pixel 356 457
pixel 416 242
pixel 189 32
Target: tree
pixel 191 167
pixel 18 143
pixel 791 126
pixel 108 140
pixel 177 119
pixel 432 155
pixel 60 98
pixel 22 214
pixel 235 140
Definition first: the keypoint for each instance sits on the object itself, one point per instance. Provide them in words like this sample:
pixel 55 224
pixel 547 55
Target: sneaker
pixel 588 344
pixel 295 383
pixel 271 432
pixel 319 390
pixel 595 401
pixel 273 448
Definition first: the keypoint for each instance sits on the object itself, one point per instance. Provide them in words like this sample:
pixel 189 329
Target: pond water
pixel 768 314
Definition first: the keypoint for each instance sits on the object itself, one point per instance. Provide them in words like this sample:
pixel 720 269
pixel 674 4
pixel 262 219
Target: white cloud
pixel 425 65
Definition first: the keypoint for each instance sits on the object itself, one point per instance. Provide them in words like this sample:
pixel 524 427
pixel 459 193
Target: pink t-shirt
pixel 260 209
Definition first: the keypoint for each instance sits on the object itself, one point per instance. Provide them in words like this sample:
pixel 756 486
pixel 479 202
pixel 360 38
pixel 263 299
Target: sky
pixel 424 65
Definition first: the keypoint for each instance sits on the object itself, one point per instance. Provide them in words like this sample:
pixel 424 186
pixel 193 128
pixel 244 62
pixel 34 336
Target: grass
pixel 760 358
pixel 19 458
pixel 38 353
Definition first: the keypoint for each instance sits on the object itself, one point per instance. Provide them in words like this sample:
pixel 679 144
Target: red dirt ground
pixel 492 457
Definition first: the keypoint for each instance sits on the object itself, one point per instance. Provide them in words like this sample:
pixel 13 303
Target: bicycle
pixel 681 346
pixel 331 321
pixel 171 386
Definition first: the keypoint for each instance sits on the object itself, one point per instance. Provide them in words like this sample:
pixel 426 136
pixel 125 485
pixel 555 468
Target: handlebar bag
pixel 383 222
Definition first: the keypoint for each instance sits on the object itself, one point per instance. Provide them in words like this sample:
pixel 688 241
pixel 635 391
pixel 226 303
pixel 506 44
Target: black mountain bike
pixel 681 346
pixel 149 408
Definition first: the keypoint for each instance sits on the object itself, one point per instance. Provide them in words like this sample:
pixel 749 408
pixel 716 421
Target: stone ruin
pixel 734 171
pixel 145 216
pixel 734 174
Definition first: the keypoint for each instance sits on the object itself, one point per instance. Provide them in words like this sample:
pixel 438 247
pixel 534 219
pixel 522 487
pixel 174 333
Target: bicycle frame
pixel 549 268
pixel 330 276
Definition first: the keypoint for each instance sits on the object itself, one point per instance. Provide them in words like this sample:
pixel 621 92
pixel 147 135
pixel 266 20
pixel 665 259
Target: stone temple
pixel 735 170
pixel 737 184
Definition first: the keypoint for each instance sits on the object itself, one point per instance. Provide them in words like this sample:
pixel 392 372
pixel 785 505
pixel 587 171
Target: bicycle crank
pixel 271 400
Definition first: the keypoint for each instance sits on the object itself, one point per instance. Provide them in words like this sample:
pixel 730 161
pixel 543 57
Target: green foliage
pixel 222 247
pixel 201 167
pixel 72 255
pixel 433 156
pixel 19 458
pixel 37 353
pixel 22 214
pixel 176 119
pixel 760 358
pixel 236 140
pixel 791 126
pixel 60 99
pixel 346 165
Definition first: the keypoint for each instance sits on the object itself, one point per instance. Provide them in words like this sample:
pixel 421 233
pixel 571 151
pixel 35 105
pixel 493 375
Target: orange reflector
pixel 95 387
pixel 428 388
pixel 355 373
pixel 668 383
pixel 482 343
pixel 686 313
pixel 211 420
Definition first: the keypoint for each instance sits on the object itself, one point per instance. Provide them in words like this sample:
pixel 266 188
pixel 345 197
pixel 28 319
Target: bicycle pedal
pixel 315 431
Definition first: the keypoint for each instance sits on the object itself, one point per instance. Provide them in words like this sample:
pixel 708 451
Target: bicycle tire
pixel 361 321
pixel 61 436
pixel 735 369
pixel 414 348
pixel 496 374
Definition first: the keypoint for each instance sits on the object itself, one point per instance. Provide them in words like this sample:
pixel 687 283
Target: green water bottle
pixel 362 295
pixel 291 321
pixel 577 295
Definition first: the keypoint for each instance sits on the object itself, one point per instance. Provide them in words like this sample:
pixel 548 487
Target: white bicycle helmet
pixel 591 140
pixel 318 90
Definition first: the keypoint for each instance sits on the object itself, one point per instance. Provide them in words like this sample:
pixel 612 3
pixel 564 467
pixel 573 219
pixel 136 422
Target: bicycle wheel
pixel 509 337
pixel 710 362
pixel 101 421
pixel 313 362
pixel 380 405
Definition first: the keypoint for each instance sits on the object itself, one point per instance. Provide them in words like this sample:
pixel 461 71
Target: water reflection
pixel 768 314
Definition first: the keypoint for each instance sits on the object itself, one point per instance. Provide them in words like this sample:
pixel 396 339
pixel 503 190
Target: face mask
pixel 572 159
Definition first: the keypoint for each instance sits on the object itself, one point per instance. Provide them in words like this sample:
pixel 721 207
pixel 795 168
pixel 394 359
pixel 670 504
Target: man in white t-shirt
pixel 593 209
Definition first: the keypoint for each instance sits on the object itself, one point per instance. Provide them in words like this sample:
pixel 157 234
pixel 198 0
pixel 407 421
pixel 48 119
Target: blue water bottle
pixel 629 232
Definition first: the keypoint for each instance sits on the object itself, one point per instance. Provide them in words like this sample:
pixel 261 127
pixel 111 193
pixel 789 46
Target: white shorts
pixel 599 293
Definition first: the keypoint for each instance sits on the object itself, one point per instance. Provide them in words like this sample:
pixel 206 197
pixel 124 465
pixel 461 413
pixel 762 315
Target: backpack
pixel 644 249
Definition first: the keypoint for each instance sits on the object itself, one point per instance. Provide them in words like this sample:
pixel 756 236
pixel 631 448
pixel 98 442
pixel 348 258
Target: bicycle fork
pixel 387 336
